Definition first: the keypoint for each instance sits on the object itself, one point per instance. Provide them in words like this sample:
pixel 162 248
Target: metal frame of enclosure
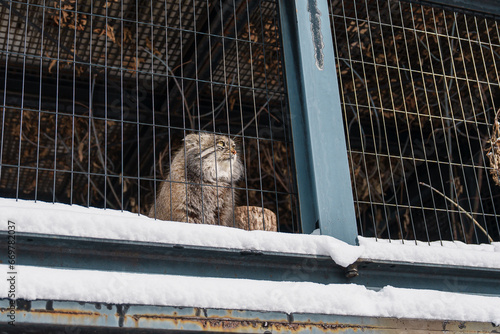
pixel 325 165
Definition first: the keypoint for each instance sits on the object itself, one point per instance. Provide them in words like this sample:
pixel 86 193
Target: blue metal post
pixel 324 185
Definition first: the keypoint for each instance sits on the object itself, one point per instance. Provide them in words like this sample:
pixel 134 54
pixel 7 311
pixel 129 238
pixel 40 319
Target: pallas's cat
pixel 200 185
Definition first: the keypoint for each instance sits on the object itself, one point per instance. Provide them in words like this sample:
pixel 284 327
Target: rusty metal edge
pixel 71 315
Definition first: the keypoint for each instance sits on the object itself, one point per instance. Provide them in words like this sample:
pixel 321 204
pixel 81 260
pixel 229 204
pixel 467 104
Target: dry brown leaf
pixel 125 184
pixel 99 31
pixel 79 70
pixel 149 45
pixel 133 63
pixel 52 64
pixel 109 31
pixel 65 16
pixel 80 151
pixel 232 101
pixel 127 35
pixel 493 152
pixel 109 2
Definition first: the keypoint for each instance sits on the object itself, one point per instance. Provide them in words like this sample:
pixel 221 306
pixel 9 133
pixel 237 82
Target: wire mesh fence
pixel 98 97
pixel 420 96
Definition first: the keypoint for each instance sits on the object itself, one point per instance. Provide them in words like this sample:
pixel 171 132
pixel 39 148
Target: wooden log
pixel 255 218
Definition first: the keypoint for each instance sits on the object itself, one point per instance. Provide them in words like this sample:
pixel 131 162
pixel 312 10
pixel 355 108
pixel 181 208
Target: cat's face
pixel 218 154
pixel 225 148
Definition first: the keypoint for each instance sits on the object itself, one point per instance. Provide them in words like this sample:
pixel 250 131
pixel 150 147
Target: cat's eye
pixel 221 144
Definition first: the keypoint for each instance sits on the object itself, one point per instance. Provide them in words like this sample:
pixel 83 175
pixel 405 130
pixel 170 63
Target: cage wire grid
pixel 98 95
pixel 420 98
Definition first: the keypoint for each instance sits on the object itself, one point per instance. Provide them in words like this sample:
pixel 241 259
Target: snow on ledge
pixel 243 294
pixel 454 253
pixel 78 221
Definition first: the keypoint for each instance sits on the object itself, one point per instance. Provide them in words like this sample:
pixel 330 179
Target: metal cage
pixel 420 95
pixel 98 95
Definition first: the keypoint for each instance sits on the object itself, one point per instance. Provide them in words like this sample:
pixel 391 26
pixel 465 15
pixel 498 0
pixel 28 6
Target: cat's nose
pixel 233 150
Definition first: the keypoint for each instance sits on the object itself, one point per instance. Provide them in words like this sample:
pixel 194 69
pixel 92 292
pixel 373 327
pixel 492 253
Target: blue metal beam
pixel 323 178
pixel 153 258
pixel 141 257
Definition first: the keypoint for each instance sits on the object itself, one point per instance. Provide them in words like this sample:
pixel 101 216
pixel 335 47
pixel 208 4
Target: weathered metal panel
pixel 71 316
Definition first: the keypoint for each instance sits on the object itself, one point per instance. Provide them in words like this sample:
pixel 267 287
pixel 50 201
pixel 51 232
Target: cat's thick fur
pixel 199 188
